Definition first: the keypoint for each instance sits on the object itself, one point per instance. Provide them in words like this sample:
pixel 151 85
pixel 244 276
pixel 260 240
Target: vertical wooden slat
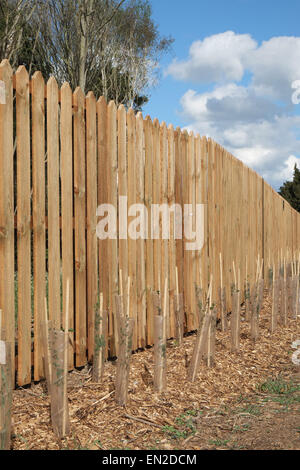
pixel 148 129
pixel 103 260
pixel 140 243
pixel 38 207
pixel 192 254
pixel 172 241
pixel 67 208
pixel 198 200
pixel 179 201
pixel 131 132
pixel 23 226
pixel 203 183
pixel 91 212
pixel 53 204
pixel 122 180
pixel 156 200
pixel 164 200
pixel 7 300
pixel 112 195
pixel 186 253
pixel 80 221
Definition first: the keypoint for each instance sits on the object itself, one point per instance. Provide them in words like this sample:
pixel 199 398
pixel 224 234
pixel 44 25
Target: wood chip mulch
pixel 98 423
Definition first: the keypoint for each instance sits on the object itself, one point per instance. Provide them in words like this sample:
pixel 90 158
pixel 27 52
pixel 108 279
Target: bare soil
pixel 249 400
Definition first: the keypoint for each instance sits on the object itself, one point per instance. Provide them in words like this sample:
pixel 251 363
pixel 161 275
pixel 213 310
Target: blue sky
pixel 229 75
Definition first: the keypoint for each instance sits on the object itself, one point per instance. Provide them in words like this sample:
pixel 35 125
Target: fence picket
pixel 38 208
pixel 80 222
pixel 91 213
pixel 23 225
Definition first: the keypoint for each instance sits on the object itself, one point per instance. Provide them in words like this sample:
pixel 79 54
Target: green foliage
pixel 110 47
pixel 219 442
pixel 278 386
pixel 290 190
pixel 185 426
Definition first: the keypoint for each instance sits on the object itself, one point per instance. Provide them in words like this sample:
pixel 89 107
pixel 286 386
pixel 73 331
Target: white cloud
pixel 216 58
pixel 275 65
pixel 257 122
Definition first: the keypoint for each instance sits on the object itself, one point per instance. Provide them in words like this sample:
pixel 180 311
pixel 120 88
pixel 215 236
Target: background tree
pixel 15 17
pixel 110 47
pixel 290 190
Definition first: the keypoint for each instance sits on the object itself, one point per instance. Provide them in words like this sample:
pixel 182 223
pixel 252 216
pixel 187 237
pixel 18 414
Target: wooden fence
pixel 62 154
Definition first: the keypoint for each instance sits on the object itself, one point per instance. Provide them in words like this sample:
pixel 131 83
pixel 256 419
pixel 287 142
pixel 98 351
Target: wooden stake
pixel 211 336
pixel 222 300
pixel 274 303
pixel 160 346
pixel 257 298
pixel 59 403
pixel 199 348
pixel 201 341
pixel 159 355
pixel 179 318
pixel 235 322
pixel 100 342
pixel 123 363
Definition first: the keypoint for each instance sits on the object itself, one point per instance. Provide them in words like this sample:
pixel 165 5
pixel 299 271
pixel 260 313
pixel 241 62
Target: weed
pixel 250 409
pixel 219 442
pixel 184 425
pixel 278 387
pixel 282 392
pixel 242 428
pixel 174 433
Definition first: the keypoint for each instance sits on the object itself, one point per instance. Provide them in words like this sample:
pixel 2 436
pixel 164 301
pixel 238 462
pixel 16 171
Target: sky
pixel 232 75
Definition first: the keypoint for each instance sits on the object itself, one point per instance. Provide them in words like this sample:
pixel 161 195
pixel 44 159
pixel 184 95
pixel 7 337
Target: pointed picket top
pixel 185 134
pixel 90 96
pixel 91 103
pixel 163 126
pixel 171 127
pixel 178 132
pixel 148 123
pixel 22 73
pixel 5 63
pixel 203 139
pixel 101 112
pixel 156 123
pixel 22 83
pixel 121 113
pixel 52 82
pixel 131 113
pixel 79 96
pixel 121 107
pixel 139 120
pixel 112 106
pixel 38 79
pixel 65 88
pixel 139 115
pixel 102 101
pixel 52 89
pixel 5 67
pixel 6 76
